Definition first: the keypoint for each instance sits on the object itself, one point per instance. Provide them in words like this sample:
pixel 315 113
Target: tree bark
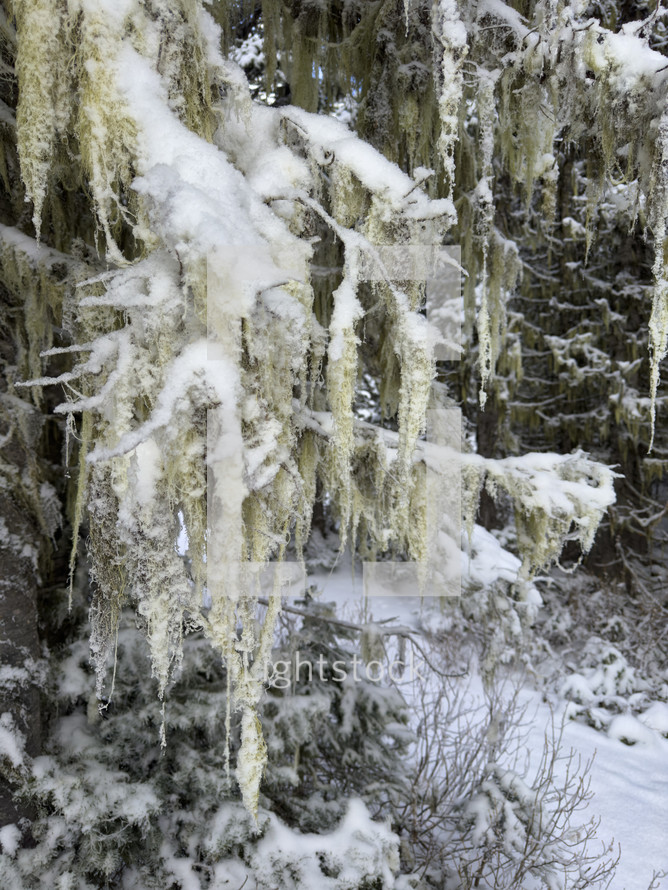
pixel 20 548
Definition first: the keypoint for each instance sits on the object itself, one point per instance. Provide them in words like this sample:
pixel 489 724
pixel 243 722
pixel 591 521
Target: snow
pixel 114 9
pixel 148 470
pixel 334 138
pixel 203 201
pixel 12 741
pixel 507 14
pixel 181 868
pixel 630 786
pixel 628 729
pixel 13 676
pixel 73 731
pixel 186 371
pixel 211 31
pixel 347 309
pixel 578 689
pixel 10 837
pixel 353 845
pixel 656 717
pixel 487 561
pixel 358 848
pixel 335 141
pixel 631 59
pixel 75 681
pixel 555 483
pixel 34 252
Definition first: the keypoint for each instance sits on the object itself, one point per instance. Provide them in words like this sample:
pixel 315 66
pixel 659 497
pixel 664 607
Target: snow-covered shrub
pixel 605 685
pixel 495 608
pixel 481 814
pixel 331 736
pixel 114 809
pixel 591 648
pixel 521 833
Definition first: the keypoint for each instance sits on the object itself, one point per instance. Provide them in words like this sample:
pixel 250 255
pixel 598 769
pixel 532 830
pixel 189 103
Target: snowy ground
pixel 630 786
pixel 629 782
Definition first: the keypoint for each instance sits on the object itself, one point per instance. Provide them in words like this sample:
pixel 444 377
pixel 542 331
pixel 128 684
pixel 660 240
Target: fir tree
pixel 162 250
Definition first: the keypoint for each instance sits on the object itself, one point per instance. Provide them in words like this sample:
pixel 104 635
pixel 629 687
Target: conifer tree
pixel 169 333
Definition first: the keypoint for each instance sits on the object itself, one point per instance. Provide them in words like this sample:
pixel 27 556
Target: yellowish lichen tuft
pixel 42 65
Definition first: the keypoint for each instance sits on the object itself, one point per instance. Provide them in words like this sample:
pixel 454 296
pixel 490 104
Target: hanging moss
pixel 292 341
pixel 42 63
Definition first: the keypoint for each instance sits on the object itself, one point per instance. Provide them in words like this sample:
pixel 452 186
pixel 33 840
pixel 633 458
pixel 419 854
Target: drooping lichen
pixel 450 49
pixel 42 65
pixel 253 378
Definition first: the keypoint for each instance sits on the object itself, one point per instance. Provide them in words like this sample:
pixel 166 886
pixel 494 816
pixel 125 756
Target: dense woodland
pixel 152 153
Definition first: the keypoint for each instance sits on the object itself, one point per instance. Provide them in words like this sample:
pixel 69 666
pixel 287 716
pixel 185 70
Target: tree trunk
pixel 20 547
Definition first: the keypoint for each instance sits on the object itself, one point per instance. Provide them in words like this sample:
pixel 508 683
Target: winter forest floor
pixel 628 757
pixel 480 768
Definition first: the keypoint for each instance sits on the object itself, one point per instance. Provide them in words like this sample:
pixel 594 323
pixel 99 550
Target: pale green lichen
pixel 41 66
pixel 288 434
pixel 450 34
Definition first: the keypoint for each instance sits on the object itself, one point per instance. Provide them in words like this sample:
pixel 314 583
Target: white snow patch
pixel 12 740
pixel 10 838
pixel 656 717
pixel 626 728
